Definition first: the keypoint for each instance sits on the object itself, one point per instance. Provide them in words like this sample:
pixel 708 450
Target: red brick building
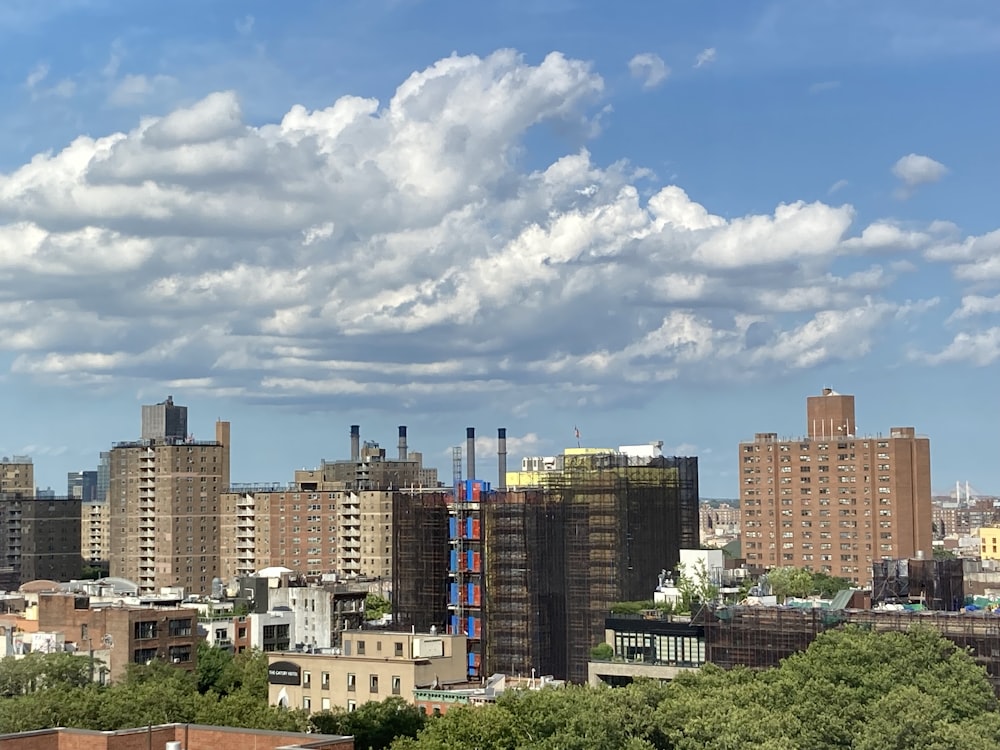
pixel 188 737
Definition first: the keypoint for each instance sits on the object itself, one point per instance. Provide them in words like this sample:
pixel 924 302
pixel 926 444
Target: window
pixel 307 703
pixel 307 679
pixel 373 683
pixel 395 684
pixel 324 680
pixel 144 655
pixel 180 654
pixel 361 648
pixel 352 706
pixel 399 648
pixel 352 683
pixel 145 630
pixel 180 628
pixel 325 704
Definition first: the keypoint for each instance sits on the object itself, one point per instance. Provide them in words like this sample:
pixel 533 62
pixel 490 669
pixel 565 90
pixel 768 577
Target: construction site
pixel 529 570
pixel 759 636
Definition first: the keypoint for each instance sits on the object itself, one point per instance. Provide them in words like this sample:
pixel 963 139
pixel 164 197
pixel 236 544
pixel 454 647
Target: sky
pixel 661 221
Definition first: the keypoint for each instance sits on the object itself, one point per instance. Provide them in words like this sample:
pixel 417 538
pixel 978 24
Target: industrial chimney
pixel 470 452
pixel 502 458
pixel 355 443
pixel 402 442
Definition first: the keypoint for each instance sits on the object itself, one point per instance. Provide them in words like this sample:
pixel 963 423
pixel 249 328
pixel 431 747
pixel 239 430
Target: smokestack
pixel 470 452
pixel 355 443
pixel 502 458
pixel 402 442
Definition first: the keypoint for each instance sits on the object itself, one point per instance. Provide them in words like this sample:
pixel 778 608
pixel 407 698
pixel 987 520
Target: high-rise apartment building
pixel 337 518
pixel 164 506
pixel 835 501
pixel 17 475
pixel 39 538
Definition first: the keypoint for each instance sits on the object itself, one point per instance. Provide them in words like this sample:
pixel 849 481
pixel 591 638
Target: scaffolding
pixel 558 556
pixel 760 637
pixel 420 558
pixel 936 584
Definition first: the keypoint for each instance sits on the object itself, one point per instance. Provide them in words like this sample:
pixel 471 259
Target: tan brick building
pixel 95 533
pixel 17 475
pixel 835 501
pixel 163 500
pixel 312 528
pixel 373 665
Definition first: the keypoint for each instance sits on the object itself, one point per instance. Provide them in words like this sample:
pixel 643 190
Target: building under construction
pixel 529 570
pixel 760 637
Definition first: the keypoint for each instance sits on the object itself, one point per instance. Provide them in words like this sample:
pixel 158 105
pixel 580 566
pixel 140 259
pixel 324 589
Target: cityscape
pixel 417 375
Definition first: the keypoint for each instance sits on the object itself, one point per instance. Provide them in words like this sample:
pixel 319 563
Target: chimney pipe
pixel 470 452
pixel 402 442
pixel 355 443
pixel 502 458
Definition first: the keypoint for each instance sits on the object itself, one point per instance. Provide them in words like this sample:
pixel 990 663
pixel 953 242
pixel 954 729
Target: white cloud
pixel 914 170
pixel 705 57
pixel 974 305
pixel 135 89
pixel 980 348
pixel 399 250
pixel 837 187
pixel 649 68
pixel 37 75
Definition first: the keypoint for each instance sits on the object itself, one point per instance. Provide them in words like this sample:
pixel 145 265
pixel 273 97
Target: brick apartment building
pixel 335 518
pixel 163 500
pixel 833 500
pixel 39 539
pixel 120 635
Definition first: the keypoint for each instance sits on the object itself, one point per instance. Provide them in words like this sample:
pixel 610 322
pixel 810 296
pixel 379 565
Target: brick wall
pixel 191 737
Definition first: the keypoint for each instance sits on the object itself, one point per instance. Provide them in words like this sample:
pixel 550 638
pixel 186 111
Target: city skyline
pixel 671 224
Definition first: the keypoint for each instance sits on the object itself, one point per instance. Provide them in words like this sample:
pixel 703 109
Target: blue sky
pixel 672 222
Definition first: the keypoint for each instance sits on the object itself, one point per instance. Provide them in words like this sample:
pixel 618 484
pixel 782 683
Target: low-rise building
pixel 658 648
pixel 187 736
pixel 119 635
pixel 369 666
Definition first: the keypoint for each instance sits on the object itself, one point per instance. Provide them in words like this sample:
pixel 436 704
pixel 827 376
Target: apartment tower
pixel 164 507
pixel 834 501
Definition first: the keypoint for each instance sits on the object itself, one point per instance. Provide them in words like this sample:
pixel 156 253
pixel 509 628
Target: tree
pixel 374 725
pixel 213 669
pixel 376 607
pixel 786 582
pixel 695 586
pixel 940 553
pixel 602 652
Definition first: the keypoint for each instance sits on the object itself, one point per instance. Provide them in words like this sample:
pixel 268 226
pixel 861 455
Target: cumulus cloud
pixel 974 305
pixel 649 68
pixel 980 348
pixel 705 57
pixel 399 251
pixel 914 170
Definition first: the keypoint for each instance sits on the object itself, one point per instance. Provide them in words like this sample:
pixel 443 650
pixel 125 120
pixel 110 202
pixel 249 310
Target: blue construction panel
pixel 454 625
pixel 454 594
pixel 453 561
pixel 469 560
pixel 452 528
pixel 468 529
pixel 472 660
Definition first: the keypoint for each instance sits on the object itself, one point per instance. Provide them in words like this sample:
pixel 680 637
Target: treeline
pixel 851 689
